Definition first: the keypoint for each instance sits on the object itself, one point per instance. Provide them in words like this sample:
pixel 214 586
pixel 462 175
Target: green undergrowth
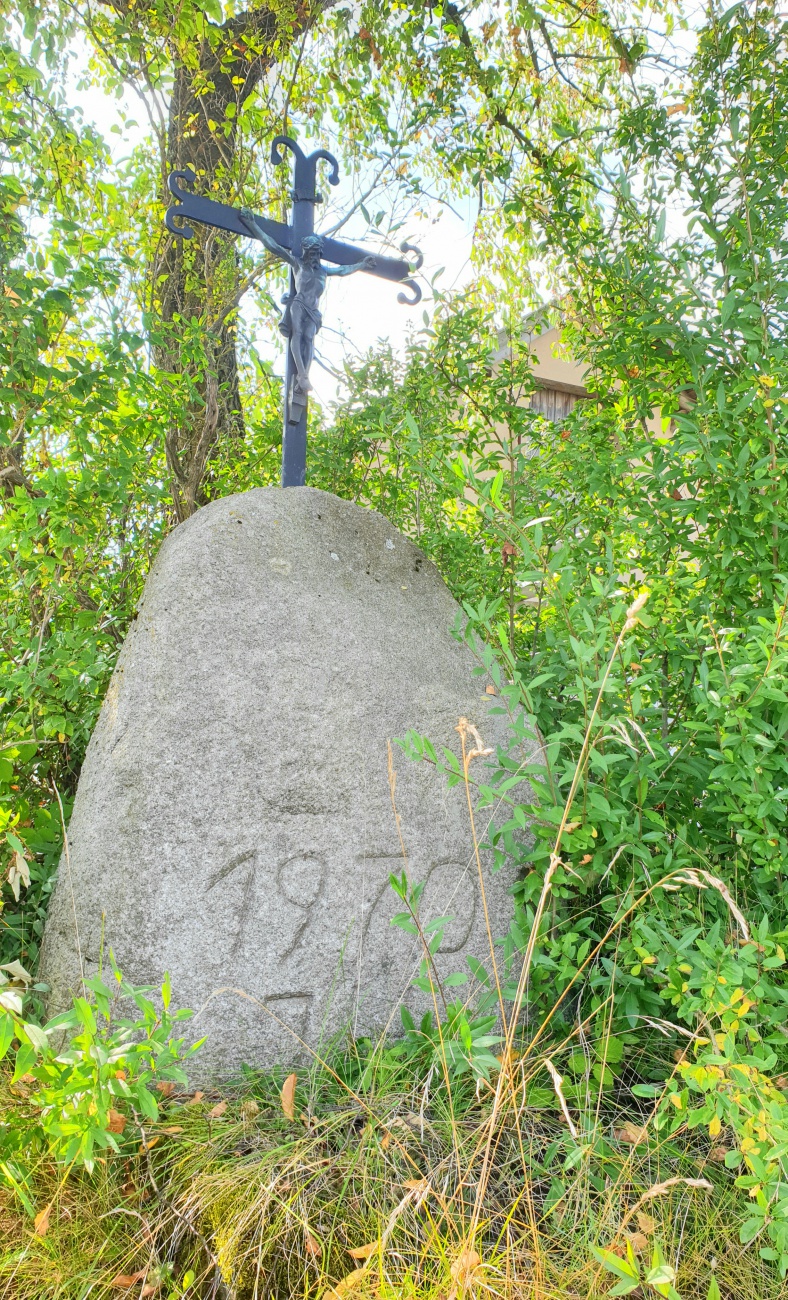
pixel 328 1191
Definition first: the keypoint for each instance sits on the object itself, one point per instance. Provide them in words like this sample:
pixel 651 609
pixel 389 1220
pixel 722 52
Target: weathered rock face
pixel 234 822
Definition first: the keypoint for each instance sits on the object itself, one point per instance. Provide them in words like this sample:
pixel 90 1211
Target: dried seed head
pixel 634 610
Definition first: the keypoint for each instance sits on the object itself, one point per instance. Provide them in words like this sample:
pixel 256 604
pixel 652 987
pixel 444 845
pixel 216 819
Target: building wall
pixel 554 367
pixel 561 379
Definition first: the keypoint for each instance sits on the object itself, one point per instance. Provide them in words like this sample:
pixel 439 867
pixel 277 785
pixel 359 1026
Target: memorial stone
pixel 234 823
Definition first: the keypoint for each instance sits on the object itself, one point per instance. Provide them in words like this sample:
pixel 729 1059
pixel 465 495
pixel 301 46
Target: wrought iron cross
pixel 305 252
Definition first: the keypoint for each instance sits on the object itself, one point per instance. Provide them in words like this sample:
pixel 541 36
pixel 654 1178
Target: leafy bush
pixel 86 1075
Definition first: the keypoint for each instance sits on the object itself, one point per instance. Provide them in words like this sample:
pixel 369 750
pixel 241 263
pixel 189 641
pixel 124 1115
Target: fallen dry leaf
pixel 217 1110
pixel 632 1134
pixel 415 1184
pixel 346 1285
pixel 311 1245
pixel 166 1088
pixel 646 1223
pixel 172 1128
pixel 638 1241
pixel 198 1096
pixel 413 1123
pixel 288 1096
pixel 115 1121
pixel 385 1141
pixel 124 1281
pixel 490 690
pixel 41 1221
pixel 465 1266
pixel 512 1057
pixel 363 1252
pixel 146 1146
pixel 718 1154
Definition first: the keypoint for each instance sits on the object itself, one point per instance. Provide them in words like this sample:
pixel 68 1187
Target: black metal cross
pixel 305 252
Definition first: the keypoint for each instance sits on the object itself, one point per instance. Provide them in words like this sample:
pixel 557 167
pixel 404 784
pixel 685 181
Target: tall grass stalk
pixel 505 1078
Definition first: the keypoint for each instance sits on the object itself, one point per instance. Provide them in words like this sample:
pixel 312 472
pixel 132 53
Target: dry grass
pixel 258 1206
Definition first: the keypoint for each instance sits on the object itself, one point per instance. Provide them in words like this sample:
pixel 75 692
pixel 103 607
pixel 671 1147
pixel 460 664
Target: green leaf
pixel 25 1060
pixel 749 1230
pixel 728 304
pixel 615 1264
pixel 661 1275
pixel 147 1103
pixel 85 1014
pixel 611 1050
pixel 36 1037
pixel 7 1031
pixel 16 1184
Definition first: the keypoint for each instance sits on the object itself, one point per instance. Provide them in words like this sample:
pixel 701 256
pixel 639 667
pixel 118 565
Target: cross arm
pixel 387 268
pixel 257 228
pixel 194 207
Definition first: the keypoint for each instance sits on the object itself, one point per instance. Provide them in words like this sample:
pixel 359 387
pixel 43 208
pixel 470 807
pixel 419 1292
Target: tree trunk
pixel 196 281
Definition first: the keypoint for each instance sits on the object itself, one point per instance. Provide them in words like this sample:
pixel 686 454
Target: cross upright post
pixel 302 220
pixel 305 253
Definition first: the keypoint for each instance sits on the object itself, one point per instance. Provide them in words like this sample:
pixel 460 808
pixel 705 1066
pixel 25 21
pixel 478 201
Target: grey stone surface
pixel 233 823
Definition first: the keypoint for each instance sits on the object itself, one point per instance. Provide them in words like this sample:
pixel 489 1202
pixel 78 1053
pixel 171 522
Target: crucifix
pixel 306 254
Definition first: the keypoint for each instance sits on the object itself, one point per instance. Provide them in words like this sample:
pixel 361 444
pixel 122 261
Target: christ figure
pixel 302 318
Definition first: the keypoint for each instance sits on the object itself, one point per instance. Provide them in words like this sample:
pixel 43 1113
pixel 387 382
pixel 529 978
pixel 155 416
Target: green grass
pixel 254 1204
